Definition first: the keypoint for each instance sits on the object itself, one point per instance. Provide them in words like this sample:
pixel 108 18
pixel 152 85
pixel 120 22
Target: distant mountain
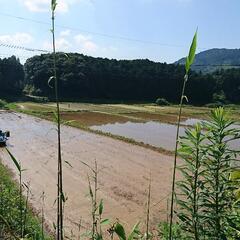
pixel 214 59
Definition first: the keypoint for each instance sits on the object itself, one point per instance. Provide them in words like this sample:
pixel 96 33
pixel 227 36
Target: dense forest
pixel 11 76
pixel 100 78
pixel 214 59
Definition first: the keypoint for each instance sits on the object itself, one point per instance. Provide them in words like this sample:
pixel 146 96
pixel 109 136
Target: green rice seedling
pixel 60 195
pixel 189 62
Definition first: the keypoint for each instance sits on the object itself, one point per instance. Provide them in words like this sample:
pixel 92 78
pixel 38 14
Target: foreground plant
pixel 189 62
pixel 205 200
pixel 193 154
pixel 16 222
pixel 221 159
pixel 60 194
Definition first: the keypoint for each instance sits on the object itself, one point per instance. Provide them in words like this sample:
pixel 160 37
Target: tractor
pixel 4 137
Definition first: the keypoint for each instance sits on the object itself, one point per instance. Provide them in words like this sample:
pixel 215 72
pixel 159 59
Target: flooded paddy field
pixel 125 167
pixel 146 124
pixel 123 177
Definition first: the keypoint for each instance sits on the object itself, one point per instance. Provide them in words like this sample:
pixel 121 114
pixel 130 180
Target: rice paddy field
pixel 128 141
pixel 146 125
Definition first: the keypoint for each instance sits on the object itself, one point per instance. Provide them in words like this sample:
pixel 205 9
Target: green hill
pixel 214 59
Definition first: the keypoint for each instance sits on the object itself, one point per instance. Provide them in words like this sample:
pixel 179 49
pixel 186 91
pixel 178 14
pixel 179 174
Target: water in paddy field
pixel 153 133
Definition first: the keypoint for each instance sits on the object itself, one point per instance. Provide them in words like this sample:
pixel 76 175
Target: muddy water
pixel 154 133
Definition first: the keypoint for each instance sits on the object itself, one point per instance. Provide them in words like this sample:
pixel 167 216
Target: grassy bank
pixel 11 208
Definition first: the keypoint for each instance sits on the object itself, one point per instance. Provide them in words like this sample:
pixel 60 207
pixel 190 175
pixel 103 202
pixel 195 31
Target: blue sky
pixel 163 28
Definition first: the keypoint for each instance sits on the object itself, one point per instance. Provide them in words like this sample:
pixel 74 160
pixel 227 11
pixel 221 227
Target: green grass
pixel 9 210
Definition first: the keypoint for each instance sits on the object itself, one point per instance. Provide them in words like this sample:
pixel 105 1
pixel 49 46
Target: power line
pixel 23 48
pixel 95 33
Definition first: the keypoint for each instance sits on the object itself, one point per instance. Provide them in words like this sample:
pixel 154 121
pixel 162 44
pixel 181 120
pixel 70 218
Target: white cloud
pixel 36 5
pixel 79 43
pixel 17 39
pixel 62 45
pixel 85 43
pixel 65 33
pixel 44 5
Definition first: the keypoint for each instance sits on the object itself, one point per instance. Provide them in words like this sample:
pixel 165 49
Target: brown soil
pixel 93 118
pixel 165 118
pixel 123 177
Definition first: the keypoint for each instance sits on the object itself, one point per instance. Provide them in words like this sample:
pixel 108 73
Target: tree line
pixel 11 76
pixel 87 77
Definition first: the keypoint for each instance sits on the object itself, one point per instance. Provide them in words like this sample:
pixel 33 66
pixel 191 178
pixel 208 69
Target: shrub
pixel 3 104
pixel 214 105
pixel 219 97
pixel 162 102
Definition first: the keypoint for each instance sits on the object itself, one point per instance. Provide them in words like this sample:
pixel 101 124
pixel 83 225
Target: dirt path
pixel 123 178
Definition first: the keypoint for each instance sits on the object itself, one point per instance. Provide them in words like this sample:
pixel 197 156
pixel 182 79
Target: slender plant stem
pixel 148 207
pixel 20 203
pixel 195 206
pixel 42 223
pixel 175 156
pixel 60 177
pixel 25 212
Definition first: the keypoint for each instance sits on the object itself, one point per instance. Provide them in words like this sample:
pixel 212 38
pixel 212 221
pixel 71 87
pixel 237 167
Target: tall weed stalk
pixel 60 196
pixel 189 62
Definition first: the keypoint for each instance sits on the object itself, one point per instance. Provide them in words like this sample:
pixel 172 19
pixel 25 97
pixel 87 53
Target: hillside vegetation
pixel 86 77
pixel 215 59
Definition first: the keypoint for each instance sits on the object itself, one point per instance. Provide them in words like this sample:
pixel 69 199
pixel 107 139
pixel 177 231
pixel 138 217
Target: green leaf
pixel 54 226
pixel 53 5
pixel 14 160
pixel 191 55
pixel 90 188
pixel 135 231
pixel 119 230
pixel 63 197
pixel 49 81
pixel 100 207
pixel 235 175
pixel 105 221
pixel 69 164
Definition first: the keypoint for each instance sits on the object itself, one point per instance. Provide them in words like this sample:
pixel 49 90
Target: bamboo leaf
pixel 119 230
pixel 105 221
pixel 53 5
pixel 69 164
pixel 14 160
pixel 100 207
pixel 134 232
pixel 49 81
pixel 191 55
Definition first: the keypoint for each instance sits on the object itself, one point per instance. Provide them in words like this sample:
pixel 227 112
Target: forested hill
pixel 214 59
pixel 100 78
pixel 87 77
